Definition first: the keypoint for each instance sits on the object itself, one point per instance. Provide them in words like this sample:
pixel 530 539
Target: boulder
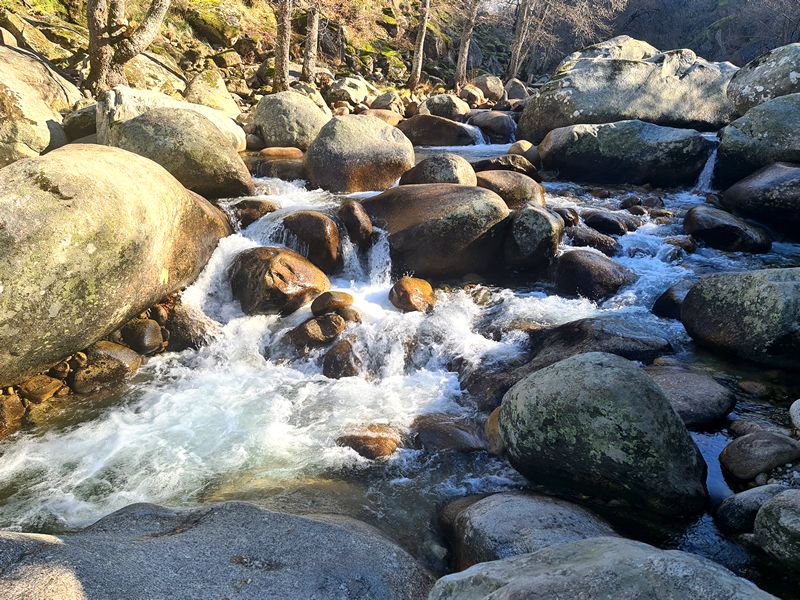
pixel 441 168
pixel 390 100
pixel 737 513
pixel 143 335
pixel 440 230
pixel 208 88
pixel 318 238
pixel 189 146
pixel 673 89
pixel 596 425
pixel 622 47
pixel 770 195
pixel 590 274
pixel 448 106
pixel 472 95
pixel 341 361
pixel 766 134
pixel 387 116
pixel 274 281
pixel 358 153
pixel 190 328
pixel 328 302
pixel 516 190
pixel 532 239
pixel 373 441
pixel 220 551
pixel 777 529
pixel 509 524
pixel 123 103
pixel 696 397
pixel 436 432
pixel 349 89
pixel 491 86
pixel 288 119
pixel 497 127
pixel 318 331
pixel 249 210
pixel 356 222
pixel 80 123
pixel 609 222
pixel 752 314
pixel 774 74
pixel 411 294
pixel 668 305
pixel 723 231
pixel 758 452
pixel 599 567
pixel 39 388
pixel 109 364
pixel 516 89
pixel 510 162
pixel 626 152
pixel 162 238
pixel 583 237
pixel 430 130
pixel 528 150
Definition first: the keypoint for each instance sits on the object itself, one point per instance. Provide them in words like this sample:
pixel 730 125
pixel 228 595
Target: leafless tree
pixel 113 42
pixel 312 41
pixel 466 41
pixel 419 47
pixel 283 15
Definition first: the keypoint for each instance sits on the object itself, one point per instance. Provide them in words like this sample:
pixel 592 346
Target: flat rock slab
pixel 229 550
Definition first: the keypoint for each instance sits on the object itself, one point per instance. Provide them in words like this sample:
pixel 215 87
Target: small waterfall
pixel 477 134
pixel 704 182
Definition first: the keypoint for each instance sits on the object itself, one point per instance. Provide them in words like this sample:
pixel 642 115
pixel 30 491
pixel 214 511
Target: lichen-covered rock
pixel 208 88
pixel 358 153
pixel 596 425
pixel 288 119
pixel 129 232
pixel 441 168
pixel 532 239
pixel 348 89
pixel 753 314
pixel 491 86
pixel 777 528
pixel 774 74
pixel 516 190
pixel 626 152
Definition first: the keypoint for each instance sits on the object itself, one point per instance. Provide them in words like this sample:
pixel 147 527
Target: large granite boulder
pixel 358 153
pixel 491 86
pixel 596 425
pixel 288 119
pixel 675 89
pixel 440 230
pixel 441 168
pixel 777 528
pixel 754 315
pixel 230 550
pixel 208 88
pixel 448 106
pixel 626 152
pixel 97 235
pixel 430 130
pixel 774 74
pixel 621 47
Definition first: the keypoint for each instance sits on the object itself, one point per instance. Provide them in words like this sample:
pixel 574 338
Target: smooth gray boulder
pixel 288 119
pixel 533 237
pixel 358 153
pixel 759 452
pixel 777 528
pixel 229 550
pixel 491 86
pixel 766 134
pixel 753 314
pixel 441 168
pixel 774 74
pixel 696 397
pixel 737 513
pixel 596 425
pixel 590 274
pixel 187 145
pixel 516 189
pixel 514 523
pixel 348 89
pixel 440 230
pixel 448 106
pixel 516 89
pixel 102 235
pixel 208 88
pixel 601 567
pixel 626 152
pixel 621 47
pixel 724 231
pixel 674 89
pixel 497 127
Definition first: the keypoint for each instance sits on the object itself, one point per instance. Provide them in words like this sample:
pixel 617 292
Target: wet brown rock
pixel 341 361
pixel 329 302
pixel 190 328
pixel 143 335
pixel 411 294
pixel 277 153
pixel 509 162
pixel 317 331
pixel 491 431
pixel 250 210
pixel 430 130
pixel 39 388
pixel 528 150
pixel 581 236
pixel 357 223
pixel 109 364
pixel 570 215
pixel 439 431
pixel 12 411
pixel 275 281
pixel 351 315
pixel 516 190
pixel 590 274
pixel 441 168
pixel 373 441
pixel 319 238
pixel 609 222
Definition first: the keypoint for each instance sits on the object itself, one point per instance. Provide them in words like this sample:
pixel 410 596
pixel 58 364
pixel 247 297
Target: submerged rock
pixel 596 425
pixel 777 528
pixel 774 74
pixel 373 441
pixel 288 119
pixel 442 168
pixel 580 237
pixel 189 327
pixel 162 238
pixel 590 274
pixel 441 431
pixel 719 229
pixel 752 314
pixel 316 332
pixel 600 567
pixel 232 549
pixel 341 361
pixel 696 397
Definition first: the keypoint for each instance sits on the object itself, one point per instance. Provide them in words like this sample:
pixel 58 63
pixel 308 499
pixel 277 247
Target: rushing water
pixel 244 419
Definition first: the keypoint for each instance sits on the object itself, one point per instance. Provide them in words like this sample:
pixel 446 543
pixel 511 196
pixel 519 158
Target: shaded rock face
pixel 147 551
pixel 516 190
pixel 516 89
pixel 696 397
pixel 497 127
pixel 288 119
pixel 771 195
pixel 600 567
pixel 719 229
pixel 318 236
pixel 440 230
pixel 447 106
pixel 510 524
pixel 766 134
pixel 754 315
pixel 123 103
pixel 356 222
pixel 31 96
pixel 737 513
pixel 595 424
pixel 341 361
pixel 358 153
pixel 626 151
pixel 668 305
pixel 777 528
pixel 590 274
pixel 510 162
pixel 275 281
pixel 587 237
pixel 189 146
pixel 430 130
pixel 758 452
pixel 533 237
pixel 674 89
pixel 148 238
pixel 774 74
pixel 442 168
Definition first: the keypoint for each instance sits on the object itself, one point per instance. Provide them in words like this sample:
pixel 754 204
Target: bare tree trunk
pixel 112 43
pixel 419 48
pixel 312 43
pixel 466 40
pixel 280 82
pixel 521 31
